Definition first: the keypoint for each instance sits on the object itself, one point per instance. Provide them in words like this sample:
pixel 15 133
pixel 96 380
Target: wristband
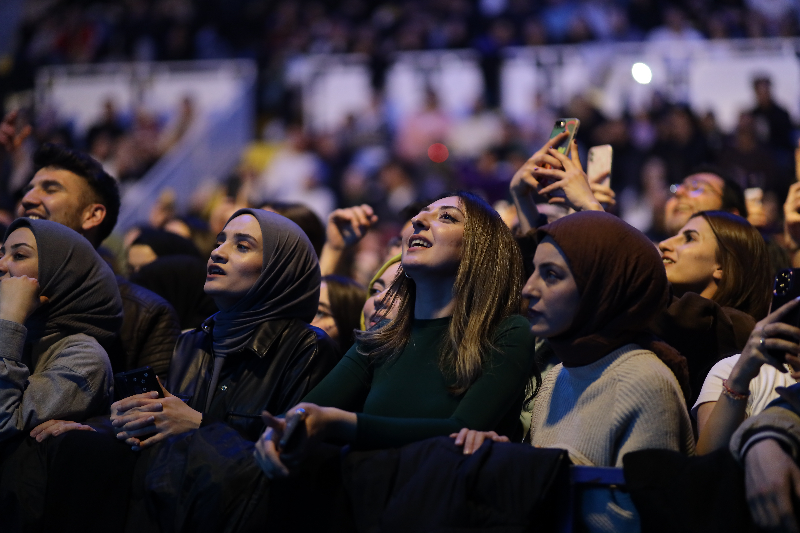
pixel 732 394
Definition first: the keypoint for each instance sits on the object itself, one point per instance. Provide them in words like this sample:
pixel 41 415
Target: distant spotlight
pixel 642 73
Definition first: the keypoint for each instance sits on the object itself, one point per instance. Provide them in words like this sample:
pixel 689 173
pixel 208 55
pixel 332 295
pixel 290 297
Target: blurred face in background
pixel 324 317
pixel 698 192
pixel 375 308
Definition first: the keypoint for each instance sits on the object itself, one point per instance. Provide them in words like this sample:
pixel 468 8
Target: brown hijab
pixel 622 285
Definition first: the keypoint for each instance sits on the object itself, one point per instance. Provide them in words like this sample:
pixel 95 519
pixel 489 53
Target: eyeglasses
pixel 695 187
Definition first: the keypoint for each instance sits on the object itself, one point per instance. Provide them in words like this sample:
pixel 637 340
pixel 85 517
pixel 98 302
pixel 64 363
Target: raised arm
pixel 717 421
pixel 345 228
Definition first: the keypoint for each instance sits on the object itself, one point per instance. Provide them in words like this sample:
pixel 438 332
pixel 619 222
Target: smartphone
pixel 600 163
pixel 786 289
pixel 137 381
pixel 291 432
pixel 570 125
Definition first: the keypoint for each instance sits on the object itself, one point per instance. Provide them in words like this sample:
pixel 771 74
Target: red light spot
pixel 438 153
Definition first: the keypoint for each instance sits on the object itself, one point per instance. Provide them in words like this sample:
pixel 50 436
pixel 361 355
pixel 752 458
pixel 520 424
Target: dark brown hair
pixel 745 287
pixel 486 290
pixel 347 299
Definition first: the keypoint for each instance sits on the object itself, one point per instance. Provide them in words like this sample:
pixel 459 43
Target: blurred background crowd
pixel 377 156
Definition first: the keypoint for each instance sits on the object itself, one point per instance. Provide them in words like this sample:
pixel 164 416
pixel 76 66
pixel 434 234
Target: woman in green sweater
pixel 457 355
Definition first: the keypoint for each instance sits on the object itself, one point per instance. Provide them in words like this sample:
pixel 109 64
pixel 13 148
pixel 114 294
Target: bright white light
pixel 642 73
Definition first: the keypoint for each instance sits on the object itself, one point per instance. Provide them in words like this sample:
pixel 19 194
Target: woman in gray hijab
pixel 59 305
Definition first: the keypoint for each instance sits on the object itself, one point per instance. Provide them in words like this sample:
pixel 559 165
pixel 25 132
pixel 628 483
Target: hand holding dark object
pixel 314 424
pixel 772 482
pixel 524 183
pixel 10 138
pixel 769 335
pixel 145 419
pixel 473 439
pixel 570 179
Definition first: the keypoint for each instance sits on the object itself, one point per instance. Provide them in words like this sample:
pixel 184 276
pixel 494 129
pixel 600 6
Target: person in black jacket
pixel 258 352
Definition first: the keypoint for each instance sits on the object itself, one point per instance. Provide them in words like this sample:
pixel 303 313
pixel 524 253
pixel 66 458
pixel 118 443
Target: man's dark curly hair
pixel 103 187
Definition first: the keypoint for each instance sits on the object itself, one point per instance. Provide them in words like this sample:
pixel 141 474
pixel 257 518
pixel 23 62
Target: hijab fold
pixel 623 287
pixel 81 288
pixel 288 286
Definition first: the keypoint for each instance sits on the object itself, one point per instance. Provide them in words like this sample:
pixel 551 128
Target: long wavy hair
pixel 746 287
pixel 487 289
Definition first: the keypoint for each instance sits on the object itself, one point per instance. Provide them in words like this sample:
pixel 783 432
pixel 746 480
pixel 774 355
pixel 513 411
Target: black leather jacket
pixel 283 361
pixel 150 328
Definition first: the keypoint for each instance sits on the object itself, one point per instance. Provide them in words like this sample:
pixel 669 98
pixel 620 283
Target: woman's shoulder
pixel 515 326
pixel 80 352
pixel 640 368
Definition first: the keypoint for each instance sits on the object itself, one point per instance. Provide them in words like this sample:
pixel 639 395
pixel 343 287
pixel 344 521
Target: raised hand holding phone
pixel 570 180
pixel 568 126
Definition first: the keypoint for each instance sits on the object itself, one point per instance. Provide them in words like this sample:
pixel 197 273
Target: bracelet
pixel 732 394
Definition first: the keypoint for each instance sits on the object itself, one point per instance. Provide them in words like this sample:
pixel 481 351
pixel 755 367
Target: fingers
pixel 164 391
pixel 562 159
pixel 780 329
pixel 540 159
pixel 56 427
pixel 555 141
pixel 460 436
pixel 43 426
pixel 273 421
pixel 150 441
pixel 134 427
pixel 268 458
pixel 574 155
pixel 782 311
pixel 132 402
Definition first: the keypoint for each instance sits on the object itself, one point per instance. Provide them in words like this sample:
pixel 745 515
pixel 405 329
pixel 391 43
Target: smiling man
pixel 71 188
pixel 703 190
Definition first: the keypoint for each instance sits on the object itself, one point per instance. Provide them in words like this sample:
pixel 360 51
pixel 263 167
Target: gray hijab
pixel 83 293
pixel 288 286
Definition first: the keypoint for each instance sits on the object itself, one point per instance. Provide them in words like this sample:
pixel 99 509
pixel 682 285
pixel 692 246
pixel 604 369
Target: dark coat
pixel 283 361
pixel 150 328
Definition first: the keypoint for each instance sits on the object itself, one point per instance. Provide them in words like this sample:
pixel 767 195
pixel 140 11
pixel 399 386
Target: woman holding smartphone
pixel 456 354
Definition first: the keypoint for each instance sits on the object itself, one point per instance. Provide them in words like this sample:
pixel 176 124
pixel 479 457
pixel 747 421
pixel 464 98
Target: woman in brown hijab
pixel 597 284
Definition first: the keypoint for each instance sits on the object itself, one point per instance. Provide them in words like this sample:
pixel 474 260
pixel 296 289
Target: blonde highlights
pixel 486 290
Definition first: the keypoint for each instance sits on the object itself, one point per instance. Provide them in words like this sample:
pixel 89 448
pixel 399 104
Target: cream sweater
pixel 628 400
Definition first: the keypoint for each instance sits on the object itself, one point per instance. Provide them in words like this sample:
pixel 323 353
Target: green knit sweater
pixel 406 399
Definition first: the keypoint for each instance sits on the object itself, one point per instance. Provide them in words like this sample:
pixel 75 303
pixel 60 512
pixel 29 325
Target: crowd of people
pixel 556 324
